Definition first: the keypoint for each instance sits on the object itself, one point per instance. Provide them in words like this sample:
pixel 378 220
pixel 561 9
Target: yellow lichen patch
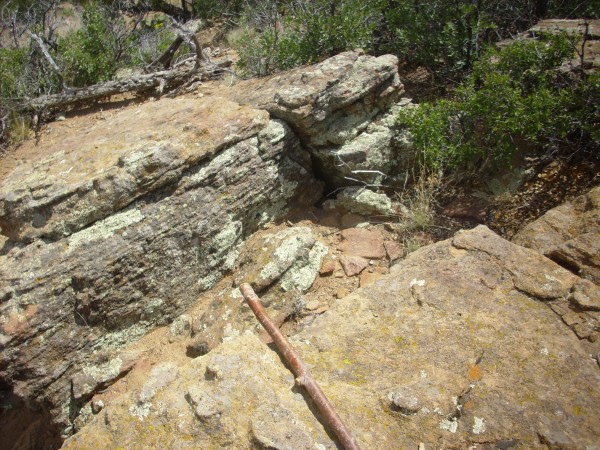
pixel 474 373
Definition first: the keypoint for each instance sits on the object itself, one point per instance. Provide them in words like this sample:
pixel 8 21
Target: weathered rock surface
pixel 121 227
pixel 343 110
pixel 569 234
pixel 365 202
pixel 457 348
pixel 283 260
pixel 362 242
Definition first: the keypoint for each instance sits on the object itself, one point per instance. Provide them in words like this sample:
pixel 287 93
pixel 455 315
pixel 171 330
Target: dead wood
pixel 42 46
pixel 163 81
pixel 303 376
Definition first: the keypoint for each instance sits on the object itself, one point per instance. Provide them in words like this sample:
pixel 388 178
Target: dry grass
pixel 420 202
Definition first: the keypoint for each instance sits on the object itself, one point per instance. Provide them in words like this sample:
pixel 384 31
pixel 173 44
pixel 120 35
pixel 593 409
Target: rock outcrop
pixel 343 110
pixel 120 228
pixel 457 348
pixel 569 234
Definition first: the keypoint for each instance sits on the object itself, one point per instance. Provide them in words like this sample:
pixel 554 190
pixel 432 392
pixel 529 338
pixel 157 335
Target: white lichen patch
pixel 140 410
pixel 303 277
pixel 229 332
pixel 415 282
pixel 478 425
pixel 449 425
pixel 274 132
pixel 106 228
pixel 205 283
pixel 103 372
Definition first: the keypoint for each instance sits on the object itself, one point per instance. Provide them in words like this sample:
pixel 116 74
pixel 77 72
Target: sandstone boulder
pixel 121 226
pixel 569 234
pixel 457 347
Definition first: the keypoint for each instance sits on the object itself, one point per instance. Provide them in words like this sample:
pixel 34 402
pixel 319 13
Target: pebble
pixel 97 406
pixel 312 305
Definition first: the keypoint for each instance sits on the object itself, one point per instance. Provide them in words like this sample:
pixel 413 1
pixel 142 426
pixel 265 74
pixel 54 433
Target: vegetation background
pixel 489 102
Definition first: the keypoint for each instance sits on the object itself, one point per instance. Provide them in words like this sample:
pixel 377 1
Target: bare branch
pixel 303 376
pixel 48 56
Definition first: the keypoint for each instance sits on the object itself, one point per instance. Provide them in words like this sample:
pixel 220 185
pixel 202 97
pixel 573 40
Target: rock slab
pixel 122 228
pixel 457 347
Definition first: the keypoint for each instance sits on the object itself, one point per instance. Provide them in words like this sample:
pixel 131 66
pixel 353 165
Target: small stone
pixel 97 406
pixel 362 242
pixel 181 326
pixel 353 265
pixel 312 305
pixel 341 292
pixel 403 402
pixel 393 249
pixel 214 372
pixel 586 295
pixel 328 268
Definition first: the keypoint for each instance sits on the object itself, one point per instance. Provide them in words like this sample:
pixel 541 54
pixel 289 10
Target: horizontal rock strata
pixel 119 230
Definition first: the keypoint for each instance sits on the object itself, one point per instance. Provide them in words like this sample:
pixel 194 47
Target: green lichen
pixel 105 228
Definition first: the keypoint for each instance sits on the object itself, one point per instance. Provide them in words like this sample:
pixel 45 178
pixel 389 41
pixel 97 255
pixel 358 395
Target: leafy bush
pixel 309 31
pixel 321 28
pixel 513 95
pixel 442 35
pixel 92 54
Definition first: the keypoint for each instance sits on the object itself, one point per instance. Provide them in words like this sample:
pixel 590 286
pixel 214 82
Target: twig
pixel 303 376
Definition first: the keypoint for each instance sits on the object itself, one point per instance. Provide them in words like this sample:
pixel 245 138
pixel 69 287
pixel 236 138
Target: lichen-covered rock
pixel 283 260
pixel 233 397
pixel 344 110
pixel 569 234
pixel 455 348
pixel 290 256
pixel 138 216
pixel 365 202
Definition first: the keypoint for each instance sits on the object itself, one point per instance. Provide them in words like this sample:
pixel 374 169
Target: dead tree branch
pixel 42 46
pixel 303 376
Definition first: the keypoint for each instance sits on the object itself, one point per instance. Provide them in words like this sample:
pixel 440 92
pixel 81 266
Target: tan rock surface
pixel 455 348
pixel 569 234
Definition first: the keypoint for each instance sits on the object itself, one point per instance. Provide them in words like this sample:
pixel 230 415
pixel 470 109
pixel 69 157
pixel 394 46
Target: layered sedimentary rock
pixel 344 111
pixel 120 228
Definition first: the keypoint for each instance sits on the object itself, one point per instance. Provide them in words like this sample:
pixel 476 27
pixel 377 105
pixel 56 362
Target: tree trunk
pixel 164 61
pixel 73 97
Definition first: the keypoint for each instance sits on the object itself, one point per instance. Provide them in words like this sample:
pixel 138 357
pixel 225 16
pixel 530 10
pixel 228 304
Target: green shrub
pixel 309 31
pixel 513 95
pixel 94 53
pixel 316 29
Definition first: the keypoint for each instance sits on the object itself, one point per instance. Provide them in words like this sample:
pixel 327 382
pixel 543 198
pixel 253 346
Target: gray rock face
pixel 281 264
pixel 137 217
pixel 457 348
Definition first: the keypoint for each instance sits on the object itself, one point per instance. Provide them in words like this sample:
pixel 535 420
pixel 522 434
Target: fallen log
pixel 164 81
pixel 303 376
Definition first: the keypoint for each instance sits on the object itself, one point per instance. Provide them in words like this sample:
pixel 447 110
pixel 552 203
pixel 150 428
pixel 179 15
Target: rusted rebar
pixel 303 376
